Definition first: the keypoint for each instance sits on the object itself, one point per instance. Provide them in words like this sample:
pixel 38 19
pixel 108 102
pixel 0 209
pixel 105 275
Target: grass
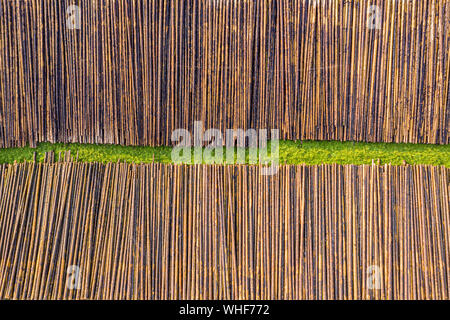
pixel 291 152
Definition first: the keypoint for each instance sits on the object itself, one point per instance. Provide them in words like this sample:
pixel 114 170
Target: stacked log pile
pixel 161 231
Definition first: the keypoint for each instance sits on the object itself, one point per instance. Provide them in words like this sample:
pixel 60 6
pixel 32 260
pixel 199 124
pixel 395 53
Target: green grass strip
pixel 291 152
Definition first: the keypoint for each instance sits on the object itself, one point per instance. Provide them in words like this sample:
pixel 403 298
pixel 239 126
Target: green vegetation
pixel 291 152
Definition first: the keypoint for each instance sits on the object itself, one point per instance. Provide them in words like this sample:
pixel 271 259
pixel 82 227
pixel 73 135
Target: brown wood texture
pixel 136 70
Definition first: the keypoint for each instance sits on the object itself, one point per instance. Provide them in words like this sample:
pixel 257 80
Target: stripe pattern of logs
pixel 133 71
pixel 159 231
